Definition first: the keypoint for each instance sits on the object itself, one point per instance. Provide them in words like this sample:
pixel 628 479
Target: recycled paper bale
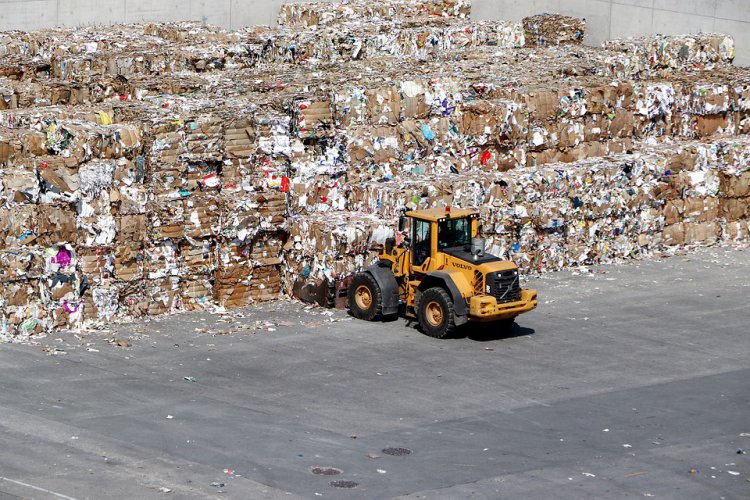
pixel 553 29
pixel 152 169
pixel 652 53
pixel 324 13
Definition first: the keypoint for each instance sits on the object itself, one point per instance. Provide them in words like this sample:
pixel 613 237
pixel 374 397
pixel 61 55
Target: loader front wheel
pixel 435 312
pixel 365 299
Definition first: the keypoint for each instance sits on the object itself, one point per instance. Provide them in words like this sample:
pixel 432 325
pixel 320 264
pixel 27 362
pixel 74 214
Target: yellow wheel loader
pixel 437 270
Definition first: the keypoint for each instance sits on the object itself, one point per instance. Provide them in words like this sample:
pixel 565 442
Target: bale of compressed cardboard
pixel 553 30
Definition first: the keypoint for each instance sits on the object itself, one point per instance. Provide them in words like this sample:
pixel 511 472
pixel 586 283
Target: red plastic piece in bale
pixel 486 157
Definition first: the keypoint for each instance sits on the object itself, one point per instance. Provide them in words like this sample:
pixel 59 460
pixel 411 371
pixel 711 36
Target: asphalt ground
pixel 628 381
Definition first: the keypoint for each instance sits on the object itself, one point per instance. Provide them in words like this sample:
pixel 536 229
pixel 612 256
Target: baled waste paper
pixel 157 168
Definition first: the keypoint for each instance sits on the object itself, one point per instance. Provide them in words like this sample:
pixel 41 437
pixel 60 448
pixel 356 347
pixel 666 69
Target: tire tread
pixel 449 325
pixel 376 309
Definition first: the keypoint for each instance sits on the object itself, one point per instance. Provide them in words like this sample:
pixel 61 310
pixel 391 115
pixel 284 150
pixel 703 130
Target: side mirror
pixel 402 224
pixel 390 244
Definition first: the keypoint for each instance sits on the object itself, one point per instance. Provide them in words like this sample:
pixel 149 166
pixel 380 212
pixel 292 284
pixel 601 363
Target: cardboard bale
pixel 23 322
pixel 553 29
pixel 163 295
pixel 326 13
pixel 704 233
pixel 259 211
pixel 96 265
pixel 19 293
pixel 232 285
pixel 313 118
pixel 735 185
pixel 266 283
pixel 129 262
pixel 653 53
pixel 196 291
pixel 55 225
pixel 20 264
pixel 197 256
pixel 239 139
pixel 736 231
pixel 734 209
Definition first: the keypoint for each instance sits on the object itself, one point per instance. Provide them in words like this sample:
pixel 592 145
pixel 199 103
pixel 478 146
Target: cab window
pixel 421 242
pixel 454 233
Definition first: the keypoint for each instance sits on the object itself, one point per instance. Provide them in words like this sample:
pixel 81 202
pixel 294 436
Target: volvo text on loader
pixel 440 273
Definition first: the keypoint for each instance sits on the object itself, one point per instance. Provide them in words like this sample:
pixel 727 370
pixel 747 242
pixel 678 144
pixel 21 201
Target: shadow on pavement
pixel 478 332
pixel 487 332
pixel 380 319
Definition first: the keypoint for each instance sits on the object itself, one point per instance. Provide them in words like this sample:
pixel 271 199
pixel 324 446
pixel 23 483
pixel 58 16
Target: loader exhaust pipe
pixel 478 246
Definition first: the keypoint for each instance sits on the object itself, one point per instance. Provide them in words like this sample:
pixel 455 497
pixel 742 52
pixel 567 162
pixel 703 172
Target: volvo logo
pixel 461 266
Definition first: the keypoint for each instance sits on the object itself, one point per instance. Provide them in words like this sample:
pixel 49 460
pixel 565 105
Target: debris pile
pixel 148 169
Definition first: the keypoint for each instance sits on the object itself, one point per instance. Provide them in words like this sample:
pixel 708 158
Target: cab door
pixel 421 247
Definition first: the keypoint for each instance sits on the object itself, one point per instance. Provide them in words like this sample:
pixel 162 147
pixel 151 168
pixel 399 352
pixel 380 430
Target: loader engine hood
pixel 464 254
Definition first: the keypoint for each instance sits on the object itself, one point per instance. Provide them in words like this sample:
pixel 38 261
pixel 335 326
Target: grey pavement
pixel 629 381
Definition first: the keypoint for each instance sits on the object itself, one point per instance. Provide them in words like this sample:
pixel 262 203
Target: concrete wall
pixel 34 14
pixel 606 18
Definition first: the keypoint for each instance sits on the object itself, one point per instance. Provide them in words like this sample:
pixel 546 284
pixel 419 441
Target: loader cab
pixel 438 230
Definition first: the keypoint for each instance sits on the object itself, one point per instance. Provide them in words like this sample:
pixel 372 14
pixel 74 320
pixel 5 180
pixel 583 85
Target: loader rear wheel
pixel 436 314
pixel 365 299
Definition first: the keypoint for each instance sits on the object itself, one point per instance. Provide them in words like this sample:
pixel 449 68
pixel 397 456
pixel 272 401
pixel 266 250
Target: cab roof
pixel 438 213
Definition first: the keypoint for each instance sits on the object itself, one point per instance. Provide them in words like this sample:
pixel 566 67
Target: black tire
pixel 364 283
pixel 431 300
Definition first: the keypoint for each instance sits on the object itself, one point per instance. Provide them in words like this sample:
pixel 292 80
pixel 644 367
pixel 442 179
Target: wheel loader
pixel 437 271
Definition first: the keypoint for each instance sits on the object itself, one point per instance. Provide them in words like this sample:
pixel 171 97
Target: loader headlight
pixel 488 290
